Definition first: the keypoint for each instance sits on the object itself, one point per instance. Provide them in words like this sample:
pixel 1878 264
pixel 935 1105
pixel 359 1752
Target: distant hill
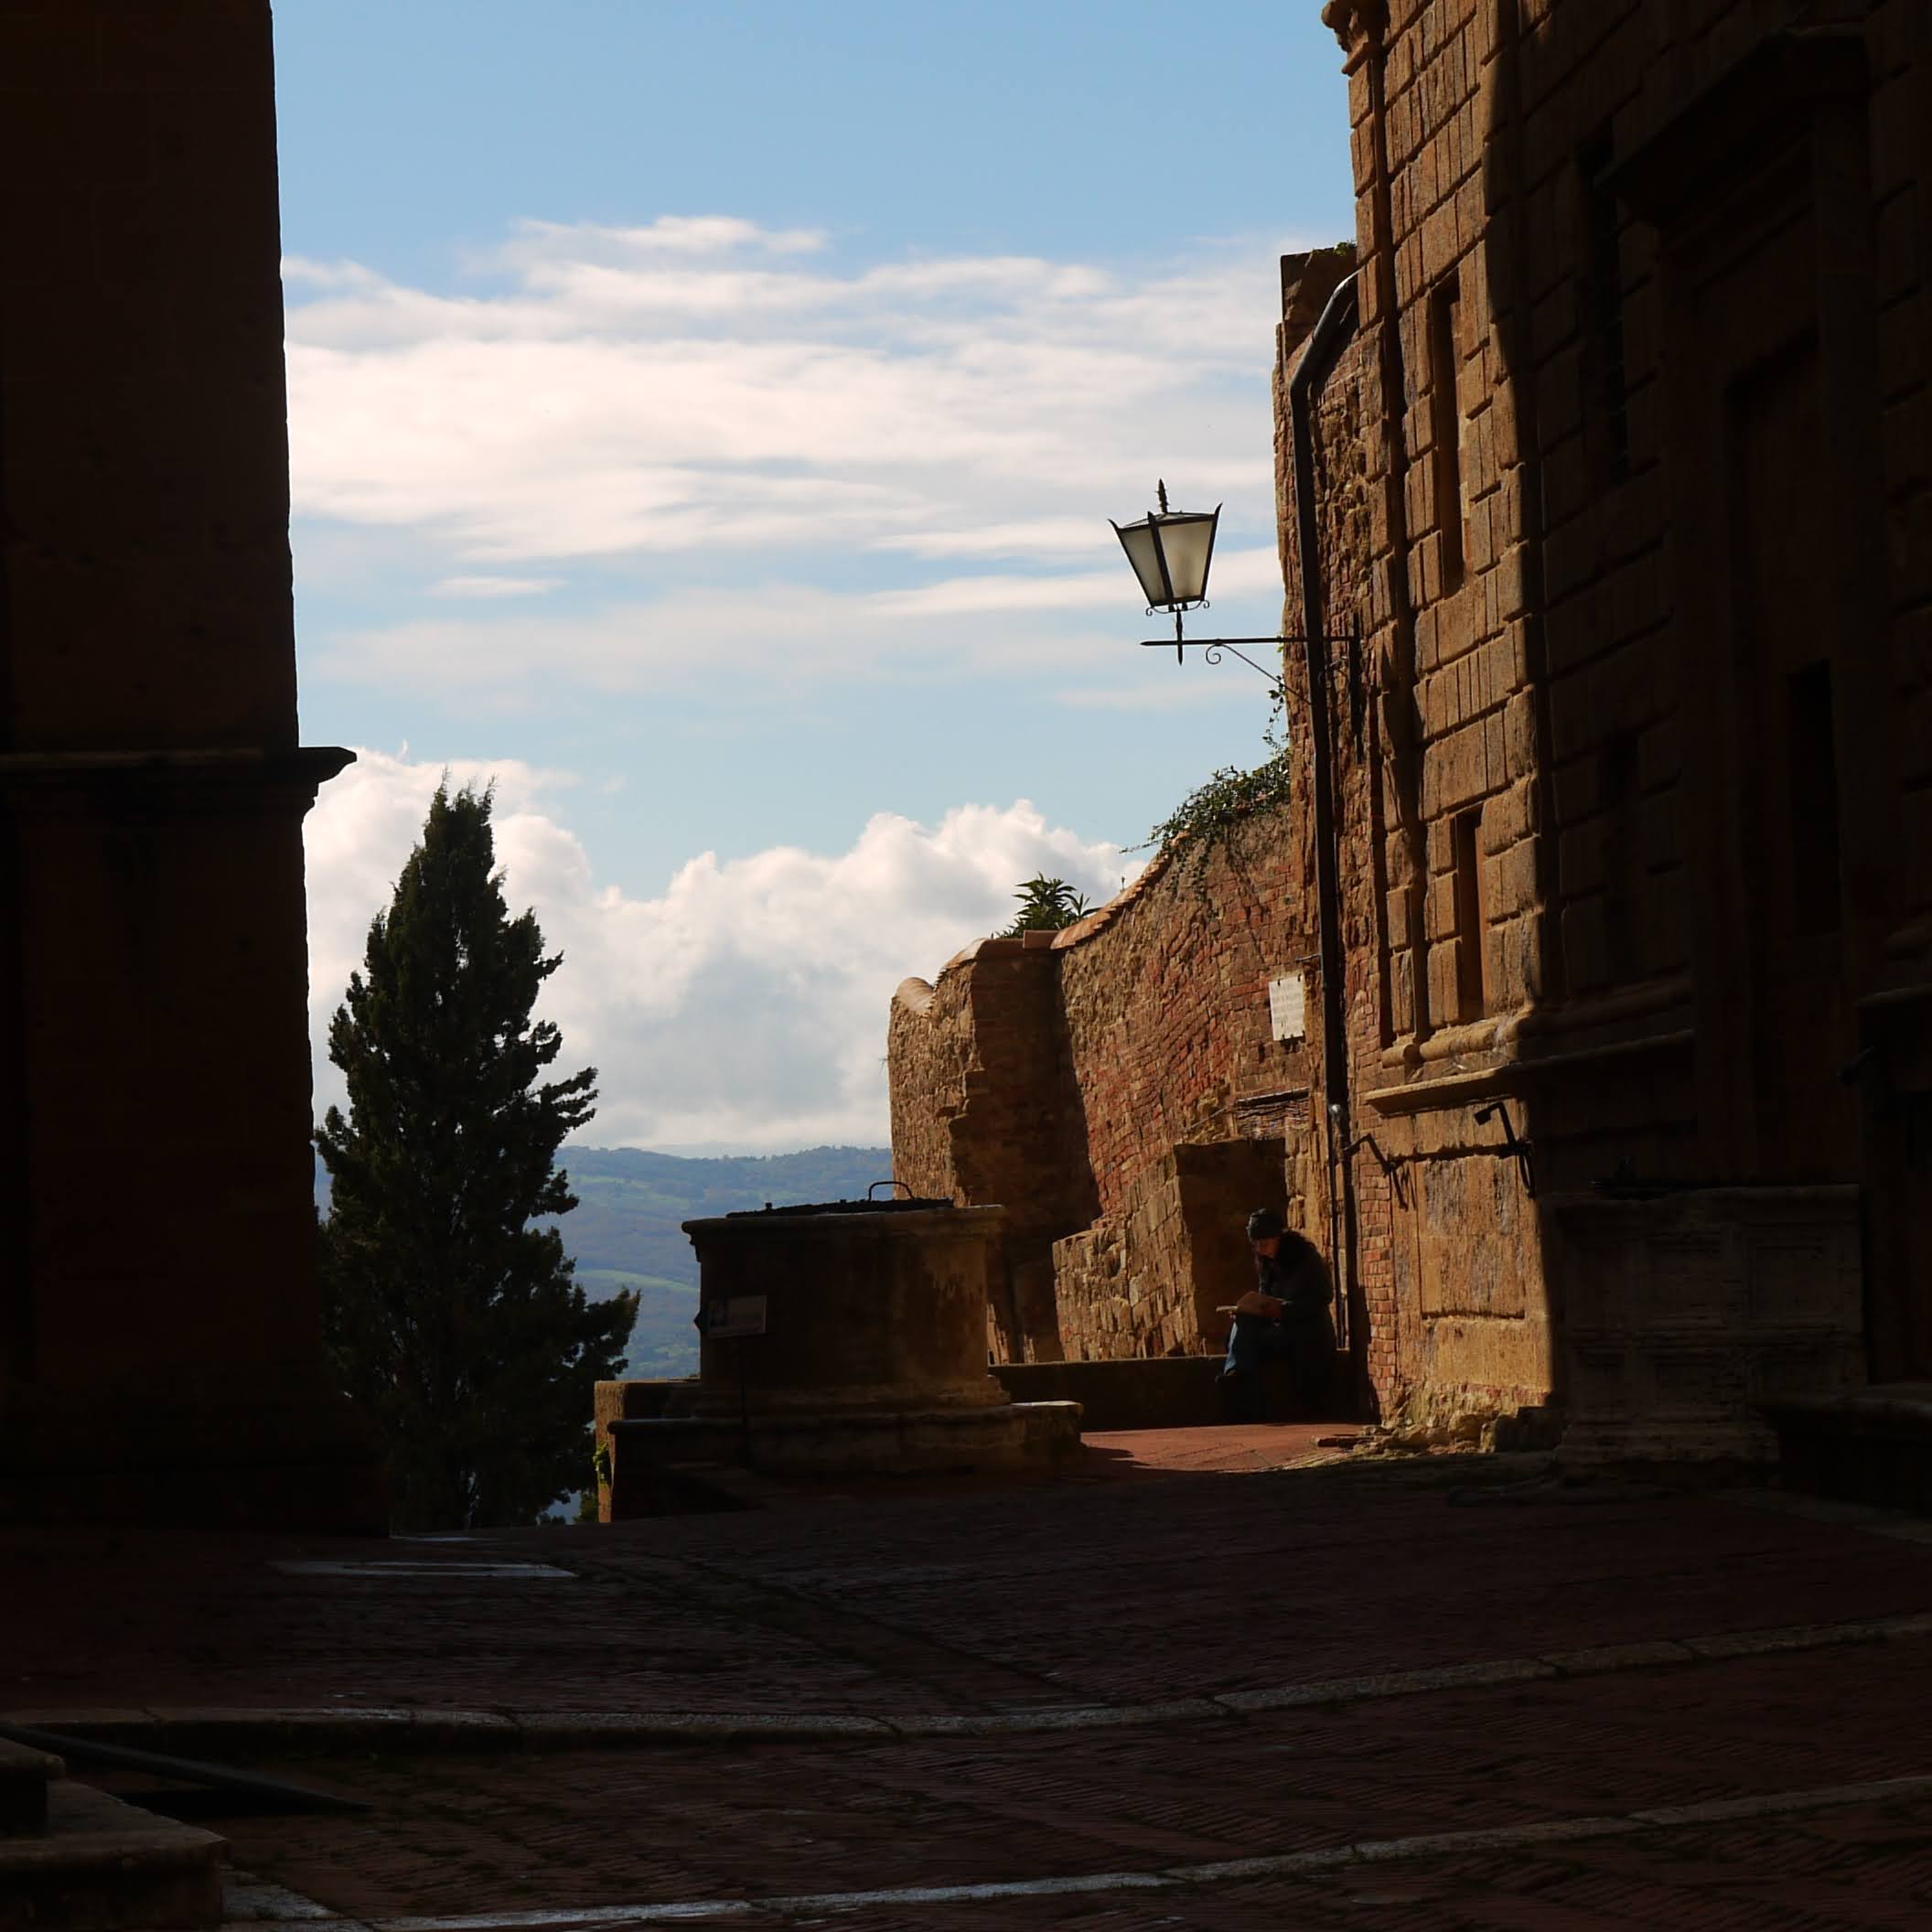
pixel 625 1231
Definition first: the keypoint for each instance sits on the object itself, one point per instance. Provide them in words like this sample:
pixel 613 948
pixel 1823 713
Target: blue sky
pixel 706 420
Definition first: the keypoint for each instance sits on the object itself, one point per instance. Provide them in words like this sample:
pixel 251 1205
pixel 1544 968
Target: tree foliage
pixel 453 1322
pixel 1045 905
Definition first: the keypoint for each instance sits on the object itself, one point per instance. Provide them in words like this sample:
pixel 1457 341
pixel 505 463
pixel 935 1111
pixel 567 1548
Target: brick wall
pixel 1059 1076
pixel 1153 1277
pixel 985 1112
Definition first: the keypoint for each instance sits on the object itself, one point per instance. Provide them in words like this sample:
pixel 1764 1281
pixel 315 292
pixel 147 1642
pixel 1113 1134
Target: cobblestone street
pixel 1113 1694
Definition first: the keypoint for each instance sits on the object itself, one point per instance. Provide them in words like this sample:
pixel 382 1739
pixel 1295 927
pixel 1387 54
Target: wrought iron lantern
pixel 1172 551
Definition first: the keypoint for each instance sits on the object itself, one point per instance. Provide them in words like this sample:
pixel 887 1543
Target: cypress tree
pixel 455 1324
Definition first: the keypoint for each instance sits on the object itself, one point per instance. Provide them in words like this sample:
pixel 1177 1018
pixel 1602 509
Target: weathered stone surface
pixel 101 1866
pixel 871 1357
pixel 1120 1094
pixel 1611 511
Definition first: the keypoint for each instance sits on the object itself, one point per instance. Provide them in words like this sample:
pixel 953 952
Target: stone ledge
pixel 646 1452
pixel 103 1866
pixel 25 1775
pixel 1162 1391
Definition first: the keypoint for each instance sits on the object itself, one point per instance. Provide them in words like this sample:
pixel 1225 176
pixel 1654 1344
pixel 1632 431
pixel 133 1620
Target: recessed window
pixel 1445 336
pixel 1472 989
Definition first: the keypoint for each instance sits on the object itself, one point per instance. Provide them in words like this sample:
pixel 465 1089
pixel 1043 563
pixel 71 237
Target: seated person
pixel 1287 1312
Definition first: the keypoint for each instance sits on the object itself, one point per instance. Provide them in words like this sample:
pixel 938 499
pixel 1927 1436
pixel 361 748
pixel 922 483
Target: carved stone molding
pixel 1356 20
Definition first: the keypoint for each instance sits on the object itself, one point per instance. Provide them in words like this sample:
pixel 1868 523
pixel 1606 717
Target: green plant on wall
pixel 1045 905
pixel 1217 812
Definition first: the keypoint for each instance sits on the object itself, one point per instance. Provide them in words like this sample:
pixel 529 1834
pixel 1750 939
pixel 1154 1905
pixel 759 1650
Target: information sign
pixel 1288 1007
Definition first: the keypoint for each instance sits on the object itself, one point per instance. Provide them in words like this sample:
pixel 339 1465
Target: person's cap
pixel 1263 1225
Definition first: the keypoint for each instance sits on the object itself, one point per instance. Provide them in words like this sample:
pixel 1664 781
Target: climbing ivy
pixel 1215 813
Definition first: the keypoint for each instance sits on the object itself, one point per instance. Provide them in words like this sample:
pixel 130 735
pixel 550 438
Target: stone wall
pixel 1634 842
pixel 986 1112
pixel 1685 1315
pixel 1059 1075
pixel 1153 1277
pixel 1165 994
pixel 1618 544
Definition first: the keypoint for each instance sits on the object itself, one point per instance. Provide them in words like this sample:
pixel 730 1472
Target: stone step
pixel 101 1865
pixel 1166 1391
pixel 25 1774
pixel 1872 1445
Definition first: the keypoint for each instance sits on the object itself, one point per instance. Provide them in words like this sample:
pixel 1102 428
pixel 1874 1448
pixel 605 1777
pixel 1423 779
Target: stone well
pixel 847 1338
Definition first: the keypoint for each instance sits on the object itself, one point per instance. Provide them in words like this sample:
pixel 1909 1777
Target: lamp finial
pixel 1160 490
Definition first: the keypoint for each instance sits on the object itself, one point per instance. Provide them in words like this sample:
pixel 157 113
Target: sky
pixel 705 423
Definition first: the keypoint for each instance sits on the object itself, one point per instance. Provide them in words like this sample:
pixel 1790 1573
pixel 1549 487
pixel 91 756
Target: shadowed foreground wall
pixel 160 1319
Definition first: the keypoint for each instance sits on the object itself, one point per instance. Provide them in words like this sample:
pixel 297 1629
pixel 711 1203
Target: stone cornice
pixel 1355 21
pixel 310 764
pixel 223 779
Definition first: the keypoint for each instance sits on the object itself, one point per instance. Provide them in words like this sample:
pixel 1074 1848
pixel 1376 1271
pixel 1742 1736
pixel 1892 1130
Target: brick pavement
pixel 1869 1867
pixel 959 1600
pixel 944 1598
pixel 582 1829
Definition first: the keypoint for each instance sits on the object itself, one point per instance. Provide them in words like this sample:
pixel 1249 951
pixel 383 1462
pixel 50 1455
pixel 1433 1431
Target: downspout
pixel 17 1309
pixel 1335 328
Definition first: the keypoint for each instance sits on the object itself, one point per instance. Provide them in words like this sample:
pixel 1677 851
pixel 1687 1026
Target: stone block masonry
pixel 1632 843
pixel 1605 486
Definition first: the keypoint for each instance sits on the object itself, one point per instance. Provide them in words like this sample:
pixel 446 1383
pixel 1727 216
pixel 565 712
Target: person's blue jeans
pixel 1253 1341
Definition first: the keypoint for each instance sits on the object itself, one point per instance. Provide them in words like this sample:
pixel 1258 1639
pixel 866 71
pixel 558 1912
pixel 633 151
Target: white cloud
pixel 745 1004
pixel 779 636
pixel 700 385
pixel 668 234
pixel 489 586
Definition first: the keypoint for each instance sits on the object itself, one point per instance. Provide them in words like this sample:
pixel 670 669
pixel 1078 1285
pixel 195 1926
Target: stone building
pixel 1605 458
pixel 160 1345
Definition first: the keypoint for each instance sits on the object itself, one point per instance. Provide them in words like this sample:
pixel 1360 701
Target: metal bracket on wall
pixel 1216 648
pixel 1392 1173
pixel 1514 1147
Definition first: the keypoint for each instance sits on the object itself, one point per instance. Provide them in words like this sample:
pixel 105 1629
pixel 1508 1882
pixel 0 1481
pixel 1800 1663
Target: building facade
pixel 160 1319
pixel 1605 463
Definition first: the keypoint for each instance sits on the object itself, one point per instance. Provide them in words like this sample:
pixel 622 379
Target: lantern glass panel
pixel 1144 553
pixel 1187 543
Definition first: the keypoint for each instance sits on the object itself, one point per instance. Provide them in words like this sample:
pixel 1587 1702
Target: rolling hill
pixel 625 1231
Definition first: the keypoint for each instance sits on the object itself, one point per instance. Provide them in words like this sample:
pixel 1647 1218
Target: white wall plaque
pixel 1288 1006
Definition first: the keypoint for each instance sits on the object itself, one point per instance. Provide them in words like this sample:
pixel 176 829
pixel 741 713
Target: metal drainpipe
pixel 1324 343
pixel 17 1309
